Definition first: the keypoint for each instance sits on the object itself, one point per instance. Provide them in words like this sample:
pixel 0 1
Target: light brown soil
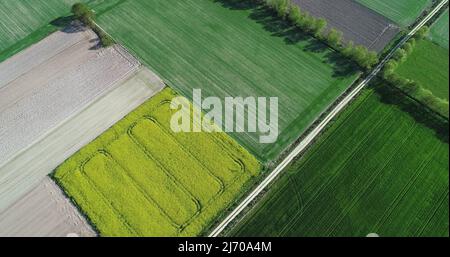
pixel 44 211
pixel 53 80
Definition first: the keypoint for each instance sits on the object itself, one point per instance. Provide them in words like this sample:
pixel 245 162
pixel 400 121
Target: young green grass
pixel 141 179
pixel 25 22
pixel 375 170
pixel 233 52
pixel 19 19
pixel 403 12
pixel 439 30
pixel 428 65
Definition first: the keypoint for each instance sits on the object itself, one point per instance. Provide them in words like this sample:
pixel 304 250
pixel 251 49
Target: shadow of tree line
pixel 342 67
pixel 69 24
pixel 392 96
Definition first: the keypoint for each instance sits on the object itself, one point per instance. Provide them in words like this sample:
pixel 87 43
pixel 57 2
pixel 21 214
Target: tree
pixel 295 14
pixel 320 25
pixel 347 51
pixel 87 16
pixel 334 38
pixel 408 48
pixel 83 13
pixel 303 20
pixel 283 8
pixel 400 55
pixel 308 23
pixel 412 42
pixel 389 68
pixel 363 57
pixel 442 107
pixel 371 59
pixel 412 87
pixel 427 97
pixel 422 32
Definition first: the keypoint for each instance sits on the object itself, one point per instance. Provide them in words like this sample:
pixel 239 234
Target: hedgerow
pixel 413 88
pixel 316 27
pixel 83 13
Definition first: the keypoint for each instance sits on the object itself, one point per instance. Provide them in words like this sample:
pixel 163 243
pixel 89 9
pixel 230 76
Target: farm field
pixel 439 31
pixel 428 65
pixel 27 21
pixel 25 171
pixel 140 178
pixel 43 212
pixel 358 23
pixel 51 81
pixel 227 51
pixel 375 170
pixel 403 12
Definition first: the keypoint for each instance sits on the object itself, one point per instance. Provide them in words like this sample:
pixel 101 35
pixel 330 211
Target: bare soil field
pixel 51 81
pixel 44 211
pixel 358 23
pixel 26 170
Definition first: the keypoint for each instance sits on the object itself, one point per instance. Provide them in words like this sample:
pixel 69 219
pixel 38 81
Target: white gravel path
pixel 50 82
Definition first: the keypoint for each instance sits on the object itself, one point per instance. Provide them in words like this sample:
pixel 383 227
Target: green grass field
pixel 25 22
pixel 403 12
pixel 428 65
pixel 375 170
pixel 19 19
pixel 439 30
pixel 141 179
pixel 239 52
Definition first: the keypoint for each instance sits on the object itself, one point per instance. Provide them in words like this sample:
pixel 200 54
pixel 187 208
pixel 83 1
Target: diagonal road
pixel 317 130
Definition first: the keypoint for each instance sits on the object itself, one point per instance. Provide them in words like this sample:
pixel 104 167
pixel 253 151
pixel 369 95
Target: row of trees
pixel 366 59
pixel 411 87
pixel 87 16
pixel 316 27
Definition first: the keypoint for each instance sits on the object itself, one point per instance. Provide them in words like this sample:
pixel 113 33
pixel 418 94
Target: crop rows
pixel 439 31
pixel 376 170
pixel 358 23
pixel 225 52
pixel 428 64
pixel 141 179
pixel 403 12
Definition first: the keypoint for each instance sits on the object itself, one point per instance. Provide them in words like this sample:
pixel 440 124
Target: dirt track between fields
pixel 358 23
pixel 51 81
pixel 44 211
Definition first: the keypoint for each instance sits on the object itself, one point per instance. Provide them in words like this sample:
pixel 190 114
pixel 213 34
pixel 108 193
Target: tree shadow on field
pixel 62 22
pixel 238 4
pixel 68 24
pixel 392 96
pixel 342 67
pixel 268 19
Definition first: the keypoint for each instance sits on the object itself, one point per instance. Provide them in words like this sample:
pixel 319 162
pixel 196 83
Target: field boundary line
pixel 115 84
pixel 320 127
